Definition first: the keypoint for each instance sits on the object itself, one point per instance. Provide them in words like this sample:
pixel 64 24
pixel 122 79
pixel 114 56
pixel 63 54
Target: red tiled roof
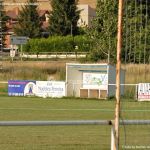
pixel 12 14
pixel 42 12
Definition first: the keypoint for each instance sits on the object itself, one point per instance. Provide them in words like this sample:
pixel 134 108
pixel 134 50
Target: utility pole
pixel 118 66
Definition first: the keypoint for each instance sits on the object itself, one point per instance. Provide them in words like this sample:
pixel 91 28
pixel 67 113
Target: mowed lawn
pixel 83 137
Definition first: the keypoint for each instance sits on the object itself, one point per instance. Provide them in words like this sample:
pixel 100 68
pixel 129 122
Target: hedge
pixel 58 44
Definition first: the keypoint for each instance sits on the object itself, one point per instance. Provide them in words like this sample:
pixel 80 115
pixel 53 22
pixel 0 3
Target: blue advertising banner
pixel 21 87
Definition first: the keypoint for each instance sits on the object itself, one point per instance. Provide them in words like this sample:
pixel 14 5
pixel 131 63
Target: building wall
pixel 91 3
pixel 74 76
pixel 87 7
pixel 73 79
pixel 86 15
pixel 45 4
pixel 91 14
pixel 112 80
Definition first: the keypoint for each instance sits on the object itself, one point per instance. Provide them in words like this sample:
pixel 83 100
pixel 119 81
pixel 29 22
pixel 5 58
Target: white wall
pixel 112 80
pixel 86 15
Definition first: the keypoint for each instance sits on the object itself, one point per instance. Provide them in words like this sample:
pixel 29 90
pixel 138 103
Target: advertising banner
pixel 21 87
pixel 50 88
pixel 144 91
pixel 95 80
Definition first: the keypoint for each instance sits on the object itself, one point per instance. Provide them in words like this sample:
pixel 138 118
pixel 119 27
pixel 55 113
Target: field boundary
pixel 103 110
pixel 77 122
pixel 73 122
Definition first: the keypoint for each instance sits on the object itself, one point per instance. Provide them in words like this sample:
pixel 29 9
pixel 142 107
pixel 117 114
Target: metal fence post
pixel 112 137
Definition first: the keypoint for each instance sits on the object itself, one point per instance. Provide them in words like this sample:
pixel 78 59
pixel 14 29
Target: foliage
pixel 58 44
pixel 104 29
pixel 29 23
pixel 136 31
pixel 63 17
pixel 3 19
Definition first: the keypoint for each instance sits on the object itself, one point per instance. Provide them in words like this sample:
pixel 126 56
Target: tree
pixel 136 31
pixel 104 30
pixel 29 22
pixel 3 27
pixel 63 17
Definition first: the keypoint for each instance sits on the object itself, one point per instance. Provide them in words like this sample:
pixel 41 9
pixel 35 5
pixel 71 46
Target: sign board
pixel 12 53
pixel 95 80
pixel 36 88
pixel 50 88
pixel 18 40
pixel 21 88
pixel 144 91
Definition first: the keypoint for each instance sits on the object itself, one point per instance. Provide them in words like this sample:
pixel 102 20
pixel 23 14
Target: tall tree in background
pixel 104 30
pixel 136 31
pixel 3 27
pixel 63 17
pixel 29 23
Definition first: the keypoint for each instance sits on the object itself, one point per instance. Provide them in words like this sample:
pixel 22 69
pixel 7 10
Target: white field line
pixel 103 110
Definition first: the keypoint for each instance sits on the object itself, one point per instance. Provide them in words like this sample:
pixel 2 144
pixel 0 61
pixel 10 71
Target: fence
pixel 46 55
pixel 55 55
pixel 83 122
pixel 134 134
pixel 129 90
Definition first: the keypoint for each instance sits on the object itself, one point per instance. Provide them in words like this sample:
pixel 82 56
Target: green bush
pixel 58 44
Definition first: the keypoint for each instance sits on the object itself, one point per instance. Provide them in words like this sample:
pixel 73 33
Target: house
pixel 12 21
pixel 12 7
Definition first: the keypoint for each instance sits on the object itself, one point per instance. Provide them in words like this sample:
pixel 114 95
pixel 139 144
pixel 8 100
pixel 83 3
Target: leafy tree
pixel 104 30
pixel 29 22
pixel 136 31
pixel 63 17
pixel 3 27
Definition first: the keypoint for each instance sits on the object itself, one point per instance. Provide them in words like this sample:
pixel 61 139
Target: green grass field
pixel 84 137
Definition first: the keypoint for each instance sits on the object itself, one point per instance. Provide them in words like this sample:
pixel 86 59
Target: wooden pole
pixel 118 66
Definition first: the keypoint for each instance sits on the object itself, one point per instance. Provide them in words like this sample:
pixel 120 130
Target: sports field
pixel 84 137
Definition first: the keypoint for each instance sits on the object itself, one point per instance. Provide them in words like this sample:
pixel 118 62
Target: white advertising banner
pixel 95 80
pixel 144 91
pixel 50 88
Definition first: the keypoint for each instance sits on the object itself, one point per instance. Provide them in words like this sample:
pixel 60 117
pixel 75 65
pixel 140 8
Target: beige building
pixel 87 7
pixel 86 15
pixel 44 4
pixel 12 7
pixel 91 3
pixel 11 4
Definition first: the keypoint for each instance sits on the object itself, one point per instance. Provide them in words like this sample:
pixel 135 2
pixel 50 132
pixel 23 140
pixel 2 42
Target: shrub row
pixel 58 44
